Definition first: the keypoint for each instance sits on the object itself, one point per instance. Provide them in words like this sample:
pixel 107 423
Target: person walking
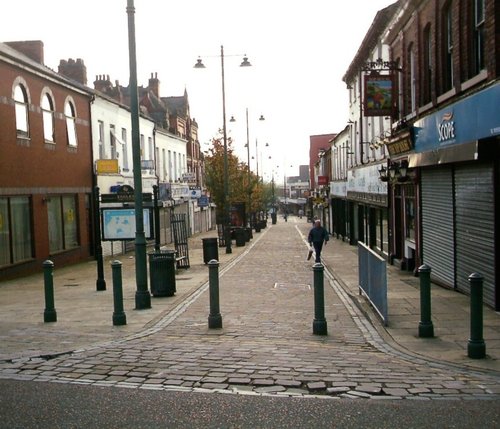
pixel 317 236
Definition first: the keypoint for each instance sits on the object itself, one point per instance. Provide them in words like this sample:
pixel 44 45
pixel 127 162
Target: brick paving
pixel 266 345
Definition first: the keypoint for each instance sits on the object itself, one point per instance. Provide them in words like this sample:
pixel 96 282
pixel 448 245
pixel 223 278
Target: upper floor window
pixel 125 148
pixel 70 115
pixel 48 118
pixel 447 48
pixel 21 109
pixel 427 69
pixel 478 36
pixel 150 148
pixel 143 155
pixel 100 130
pixel 112 141
pixel 412 79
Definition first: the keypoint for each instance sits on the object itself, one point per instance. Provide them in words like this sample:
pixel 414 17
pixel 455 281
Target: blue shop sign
pixel 473 118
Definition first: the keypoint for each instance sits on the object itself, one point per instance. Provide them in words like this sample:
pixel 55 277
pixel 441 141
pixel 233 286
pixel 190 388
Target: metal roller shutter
pixel 437 224
pixel 475 226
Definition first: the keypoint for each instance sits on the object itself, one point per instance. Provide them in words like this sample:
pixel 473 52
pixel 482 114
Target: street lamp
pixel 247 145
pixel 227 213
pixel 142 295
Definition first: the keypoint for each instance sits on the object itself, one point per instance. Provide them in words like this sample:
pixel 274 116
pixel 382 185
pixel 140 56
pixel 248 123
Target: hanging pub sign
pixel 379 93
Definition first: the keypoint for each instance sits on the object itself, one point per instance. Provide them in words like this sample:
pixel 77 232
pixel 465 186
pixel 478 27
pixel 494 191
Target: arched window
pixel 48 118
pixel 70 114
pixel 21 108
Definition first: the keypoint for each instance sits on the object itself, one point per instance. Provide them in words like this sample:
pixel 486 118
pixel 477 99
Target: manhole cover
pixel 302 286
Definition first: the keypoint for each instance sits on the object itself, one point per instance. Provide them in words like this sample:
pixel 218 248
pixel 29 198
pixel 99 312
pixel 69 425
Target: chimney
pixel 154 85
pixel 31 48
pixel 103 84
pixel 74 70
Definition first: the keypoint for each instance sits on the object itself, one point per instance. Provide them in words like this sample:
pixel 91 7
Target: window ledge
pixel 448 94
pixel 482 75
pixel 23 141
pixel 425 107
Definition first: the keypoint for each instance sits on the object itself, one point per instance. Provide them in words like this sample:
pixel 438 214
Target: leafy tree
pixel 238 178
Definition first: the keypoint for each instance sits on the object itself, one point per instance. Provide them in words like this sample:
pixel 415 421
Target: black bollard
pixel 100 283
pixel 214 318
pixel 319 322
pixel 50 314
pixel 425 326
pixel 119 316
pixel 476 348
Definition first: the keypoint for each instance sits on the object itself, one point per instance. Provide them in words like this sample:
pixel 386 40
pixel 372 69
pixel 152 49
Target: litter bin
pixel 210 249
pixel 239 234
pixel 273 218
pixel 162 273
pixel 249 234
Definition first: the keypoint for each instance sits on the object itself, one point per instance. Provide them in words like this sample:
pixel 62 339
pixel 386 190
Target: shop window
pixel 48 118
pixel 410 216
pixel 70 115
pixel 21 109
pixel 15 230
pixel 63 221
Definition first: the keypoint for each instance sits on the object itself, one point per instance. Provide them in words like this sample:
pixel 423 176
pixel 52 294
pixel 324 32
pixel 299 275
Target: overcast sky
pixel 299 52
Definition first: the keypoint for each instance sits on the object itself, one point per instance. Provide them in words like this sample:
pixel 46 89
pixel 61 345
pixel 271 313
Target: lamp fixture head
pixel 245 62
pixel 262 118
pixel 199 64
pixel 232 119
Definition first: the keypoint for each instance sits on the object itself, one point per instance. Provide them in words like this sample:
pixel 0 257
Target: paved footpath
pixel 266 345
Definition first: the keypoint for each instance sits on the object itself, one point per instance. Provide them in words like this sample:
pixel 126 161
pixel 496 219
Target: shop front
pixel 457 153
pixel 367 209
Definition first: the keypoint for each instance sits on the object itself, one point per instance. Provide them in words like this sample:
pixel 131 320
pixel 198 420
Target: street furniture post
pixel 50 314
pixel 425 326
pixel 215 318
pixel 119 316
pixel 476 348
pixel 319 322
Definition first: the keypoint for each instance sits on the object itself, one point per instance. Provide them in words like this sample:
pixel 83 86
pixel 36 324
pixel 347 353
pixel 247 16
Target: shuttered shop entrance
pixel 438 245
pixel 475 227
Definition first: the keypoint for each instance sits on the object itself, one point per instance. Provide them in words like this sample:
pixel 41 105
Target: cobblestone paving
pixel 266 345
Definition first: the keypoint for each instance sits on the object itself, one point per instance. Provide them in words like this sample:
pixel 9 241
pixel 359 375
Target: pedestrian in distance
pixel 317 237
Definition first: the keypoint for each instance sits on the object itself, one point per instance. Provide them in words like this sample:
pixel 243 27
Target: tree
pixel 214 171
pixel 238 179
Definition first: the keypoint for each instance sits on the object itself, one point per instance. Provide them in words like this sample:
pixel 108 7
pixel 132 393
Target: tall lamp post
pixel 227 213
pixel 142 295
pixel 247 145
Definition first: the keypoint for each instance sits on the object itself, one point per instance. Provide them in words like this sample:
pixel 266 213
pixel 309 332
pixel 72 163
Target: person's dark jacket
pixel 317 234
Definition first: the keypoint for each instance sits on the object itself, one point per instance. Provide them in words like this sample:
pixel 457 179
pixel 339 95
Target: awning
pixel 455 153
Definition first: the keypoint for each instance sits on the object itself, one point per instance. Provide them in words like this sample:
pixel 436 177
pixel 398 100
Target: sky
pixel 299 53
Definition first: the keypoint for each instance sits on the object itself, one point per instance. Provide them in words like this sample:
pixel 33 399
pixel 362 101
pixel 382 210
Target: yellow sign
pixel 107 166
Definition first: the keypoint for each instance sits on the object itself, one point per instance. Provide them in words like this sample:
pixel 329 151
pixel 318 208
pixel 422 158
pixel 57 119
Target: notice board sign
pixel 119 224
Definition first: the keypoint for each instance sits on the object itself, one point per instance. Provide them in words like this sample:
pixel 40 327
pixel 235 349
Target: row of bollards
pixel 319 322
pixel 214 318
pixel 50 314
pixel 476 347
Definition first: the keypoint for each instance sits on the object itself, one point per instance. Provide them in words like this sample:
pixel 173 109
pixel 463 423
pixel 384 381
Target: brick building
pixel 445 142
pixel 45 163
